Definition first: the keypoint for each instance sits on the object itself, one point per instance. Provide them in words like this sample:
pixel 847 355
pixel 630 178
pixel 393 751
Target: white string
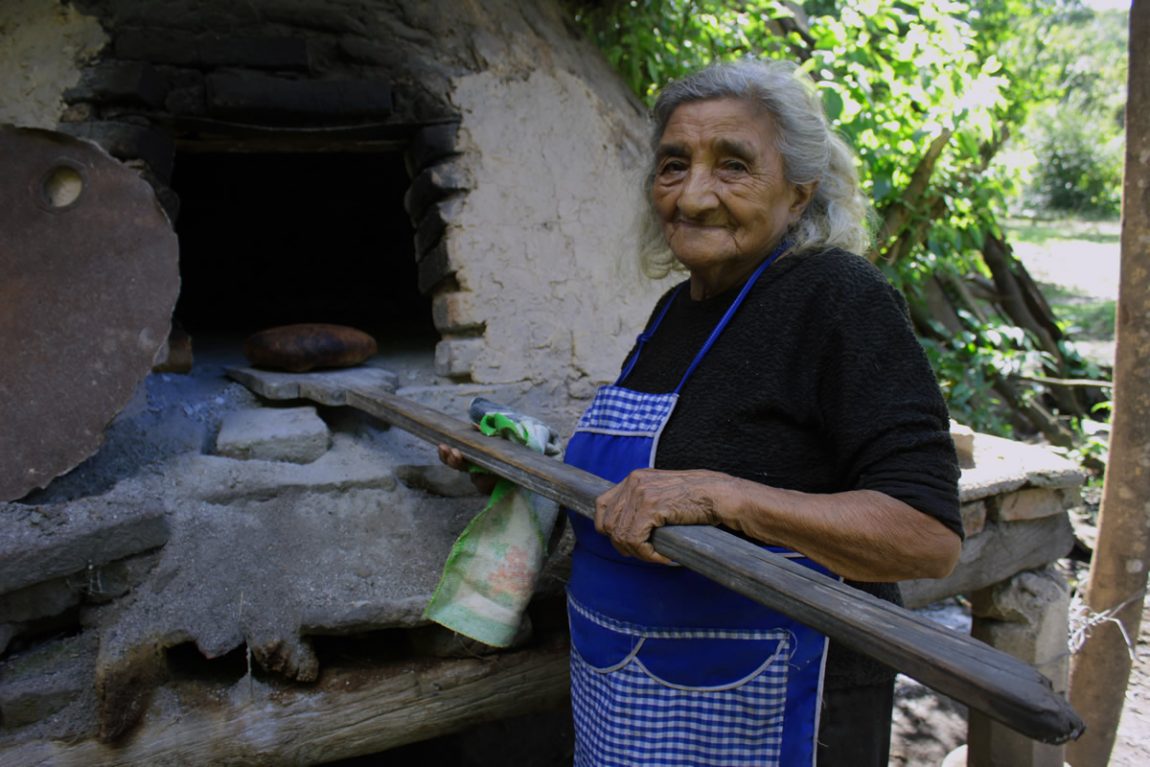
pixel 1083 619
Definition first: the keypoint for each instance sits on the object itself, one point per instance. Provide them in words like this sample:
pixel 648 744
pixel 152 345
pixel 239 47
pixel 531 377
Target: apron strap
pixel 646 335
pixel 782 247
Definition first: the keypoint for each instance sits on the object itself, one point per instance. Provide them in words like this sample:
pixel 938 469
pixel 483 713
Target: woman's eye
pixel 735 166
pixel 672 166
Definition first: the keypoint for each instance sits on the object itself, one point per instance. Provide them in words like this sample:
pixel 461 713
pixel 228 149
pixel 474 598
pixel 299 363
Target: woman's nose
pixel 697 195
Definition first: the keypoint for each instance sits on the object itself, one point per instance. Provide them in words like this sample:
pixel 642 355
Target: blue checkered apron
pixel 668 668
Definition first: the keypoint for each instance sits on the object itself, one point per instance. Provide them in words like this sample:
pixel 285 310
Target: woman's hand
pixel 649 498
pixel 451 456
pixel 861 535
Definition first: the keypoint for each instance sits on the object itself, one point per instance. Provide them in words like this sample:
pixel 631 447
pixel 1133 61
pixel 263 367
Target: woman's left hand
pixel 649 498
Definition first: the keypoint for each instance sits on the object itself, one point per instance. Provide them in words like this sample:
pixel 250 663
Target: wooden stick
pixel 967 670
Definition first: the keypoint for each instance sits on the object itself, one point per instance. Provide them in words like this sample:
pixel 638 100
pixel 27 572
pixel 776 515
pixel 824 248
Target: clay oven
pixel 458 179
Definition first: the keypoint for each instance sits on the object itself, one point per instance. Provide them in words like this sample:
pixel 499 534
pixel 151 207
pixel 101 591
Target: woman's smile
pixel 721 191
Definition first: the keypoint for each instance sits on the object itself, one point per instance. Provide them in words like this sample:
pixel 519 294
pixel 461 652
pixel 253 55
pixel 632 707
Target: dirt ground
pixel 1132 747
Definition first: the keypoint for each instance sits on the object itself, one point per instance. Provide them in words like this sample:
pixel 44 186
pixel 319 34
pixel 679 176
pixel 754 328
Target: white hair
pixel 838 215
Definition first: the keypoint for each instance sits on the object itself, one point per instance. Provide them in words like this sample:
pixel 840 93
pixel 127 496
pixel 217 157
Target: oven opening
pixel 272 239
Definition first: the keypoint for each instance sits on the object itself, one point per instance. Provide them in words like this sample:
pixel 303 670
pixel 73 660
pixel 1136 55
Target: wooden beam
pixel 1000 686
pixel 1117 584
pixel 349 712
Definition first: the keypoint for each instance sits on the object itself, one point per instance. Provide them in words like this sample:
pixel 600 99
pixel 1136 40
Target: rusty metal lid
pixel 89 275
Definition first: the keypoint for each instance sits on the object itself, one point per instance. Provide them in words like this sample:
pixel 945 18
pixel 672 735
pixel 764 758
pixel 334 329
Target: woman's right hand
pixel 451 456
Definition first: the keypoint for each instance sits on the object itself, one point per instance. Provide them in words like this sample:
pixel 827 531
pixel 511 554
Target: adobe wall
pixel 530 206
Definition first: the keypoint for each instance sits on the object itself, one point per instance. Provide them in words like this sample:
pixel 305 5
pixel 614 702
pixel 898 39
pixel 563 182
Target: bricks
pixel 279 53
pixel 434 268
pixel 453 312
pixel 434 184
pixel 432 144
pixel 121 82
pixel 235 95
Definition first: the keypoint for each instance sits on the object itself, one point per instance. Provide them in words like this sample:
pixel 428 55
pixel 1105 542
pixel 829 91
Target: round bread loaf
pixel 307 346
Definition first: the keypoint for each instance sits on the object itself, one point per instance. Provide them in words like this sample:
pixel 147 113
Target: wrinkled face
pixel 720 192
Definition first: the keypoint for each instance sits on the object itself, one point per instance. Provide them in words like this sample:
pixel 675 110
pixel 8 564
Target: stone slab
pixel 45 542
pixel 347 466
pixel 1002 466
pixel 40 682
pixel 326 387
pixel 998 552
pixel 295 435
pixel 1030 503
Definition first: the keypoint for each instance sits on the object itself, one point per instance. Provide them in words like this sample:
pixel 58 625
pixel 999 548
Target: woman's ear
pixel 803 194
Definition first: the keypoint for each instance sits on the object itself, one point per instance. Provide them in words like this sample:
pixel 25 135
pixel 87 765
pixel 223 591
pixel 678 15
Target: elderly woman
pixel 778 392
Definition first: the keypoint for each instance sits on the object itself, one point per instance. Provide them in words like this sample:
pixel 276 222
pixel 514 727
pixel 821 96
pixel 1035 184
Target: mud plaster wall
pixel 42 46
pixel 547 233
pixel 541 246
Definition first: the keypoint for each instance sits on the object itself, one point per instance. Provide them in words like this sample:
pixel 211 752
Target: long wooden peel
pixel 1000 686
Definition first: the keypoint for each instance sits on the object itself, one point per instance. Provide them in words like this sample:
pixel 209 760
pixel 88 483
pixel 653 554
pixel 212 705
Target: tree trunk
pixel 1100 673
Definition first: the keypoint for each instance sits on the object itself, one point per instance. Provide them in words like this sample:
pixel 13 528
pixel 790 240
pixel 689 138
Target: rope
pixel 1083 619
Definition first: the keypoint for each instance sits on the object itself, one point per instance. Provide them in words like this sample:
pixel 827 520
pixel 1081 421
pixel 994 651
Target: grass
pixel 1042 231
pixel 1084 317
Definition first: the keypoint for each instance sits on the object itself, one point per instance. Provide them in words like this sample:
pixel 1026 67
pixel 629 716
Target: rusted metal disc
pixel 89 274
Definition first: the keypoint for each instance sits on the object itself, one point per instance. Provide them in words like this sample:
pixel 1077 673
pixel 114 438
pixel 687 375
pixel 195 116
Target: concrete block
pixel 295 435
pixel 41 543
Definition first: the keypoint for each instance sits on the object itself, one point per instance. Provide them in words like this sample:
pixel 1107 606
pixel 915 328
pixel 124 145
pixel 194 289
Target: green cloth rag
pixel 491 571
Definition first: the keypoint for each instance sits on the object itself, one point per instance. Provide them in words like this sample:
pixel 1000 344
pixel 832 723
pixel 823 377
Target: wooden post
pixel 1099 674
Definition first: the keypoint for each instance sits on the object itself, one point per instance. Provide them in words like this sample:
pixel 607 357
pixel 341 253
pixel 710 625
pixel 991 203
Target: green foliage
pixel 895 77
pixel 1075 136
pixel 1076 172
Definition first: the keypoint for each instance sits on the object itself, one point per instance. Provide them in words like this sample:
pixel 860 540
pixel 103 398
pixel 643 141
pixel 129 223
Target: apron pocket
pixel 707 663
pixel 603 649
pixel 626 715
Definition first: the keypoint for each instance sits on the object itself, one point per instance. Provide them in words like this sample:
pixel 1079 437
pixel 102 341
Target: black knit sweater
pixel 817 384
